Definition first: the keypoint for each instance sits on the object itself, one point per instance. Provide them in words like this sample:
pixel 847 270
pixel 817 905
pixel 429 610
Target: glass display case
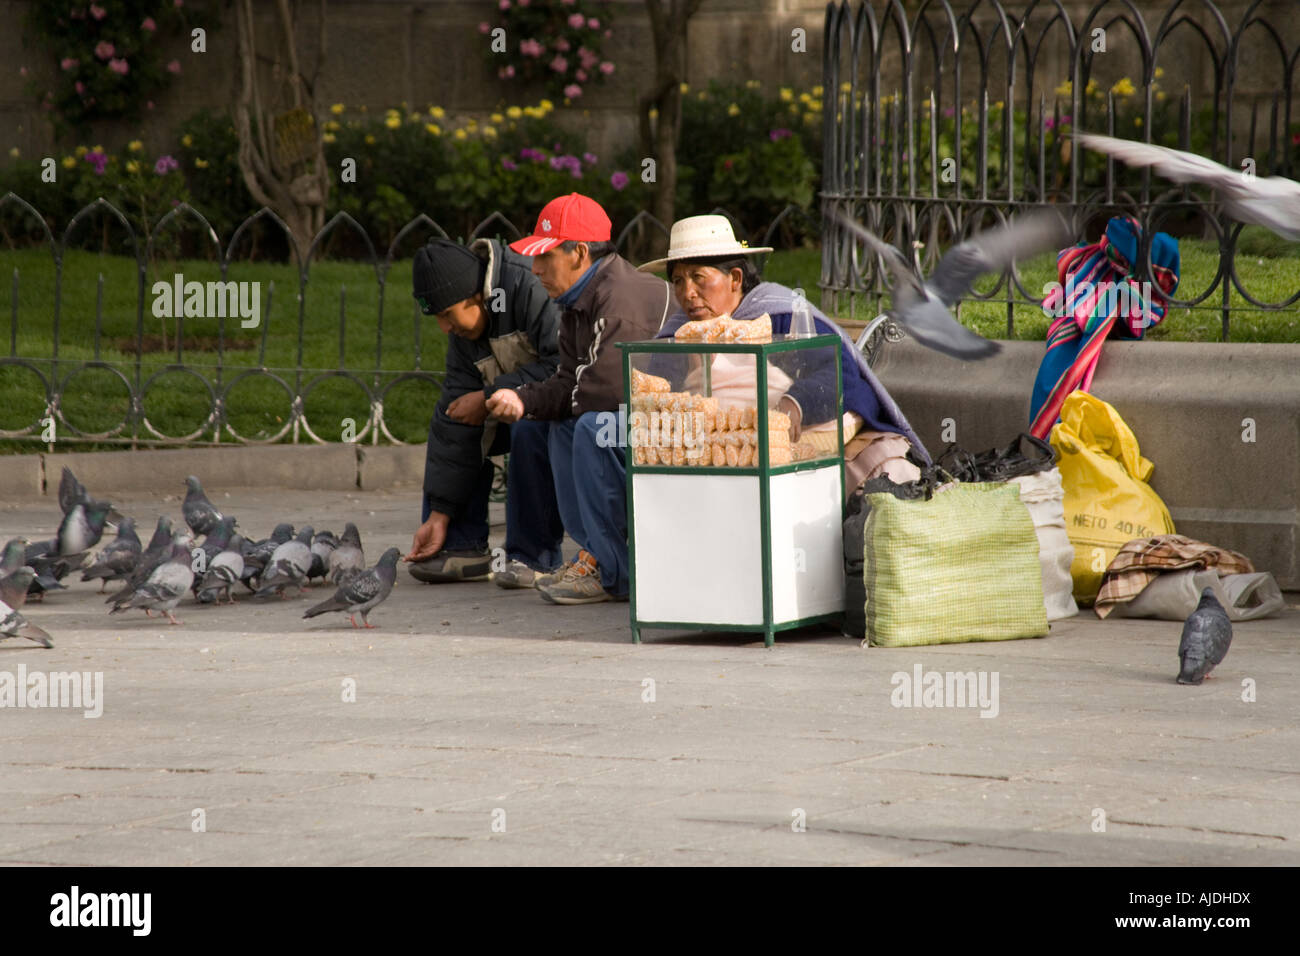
pixel 735 483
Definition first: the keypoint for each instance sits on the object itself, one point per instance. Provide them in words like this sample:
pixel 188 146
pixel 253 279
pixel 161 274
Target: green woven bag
pixel 962 566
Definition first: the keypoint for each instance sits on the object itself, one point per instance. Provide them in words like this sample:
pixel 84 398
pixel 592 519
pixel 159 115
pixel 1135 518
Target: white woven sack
pixel 1044 496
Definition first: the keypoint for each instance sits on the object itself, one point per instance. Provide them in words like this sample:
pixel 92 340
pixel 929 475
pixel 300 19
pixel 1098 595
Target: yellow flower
pixel 370 140
pixel 490 132
pixel 533 112
pixel 733 110
pixel 809 118
pixel 81 151
pixel 187 140
pixel 460 134
pixel 815 106
pixel 325 138
pixel 805 98
pixel 336 109
pixel 437 112
pixel 1160 96
pixel 998 105
pixel 433 129
pixel 497 118
pixel 514 112
pixel 14 152
pixel 331 126
pixel 1124 87
pixel 203 163
pixel 1159 72
pixel 69 162
pixel 787 94
pixel 413 117
pixel 99 149
pixel 701 96
pixel 845 86
pixel 817 90
pixel 794 108
pixel 393 122
pixel 546 106
pixel 1137 121
pixel 132 166
pixel 1091 87
pixel 1065 89
pixel 685 87
pixel 135 146
pixel 654 113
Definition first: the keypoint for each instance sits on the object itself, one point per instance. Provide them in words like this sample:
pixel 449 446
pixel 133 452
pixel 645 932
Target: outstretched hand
pixel 429 538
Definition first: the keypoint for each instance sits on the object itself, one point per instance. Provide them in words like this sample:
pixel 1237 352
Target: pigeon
pixel 1268 201
pixel 364 592
pixel 199 513
pixel 165 586
pixel 14 587
pixel 13 624
pixel 159 547
pixel 14 556
pixel 288 565
pixel 222 573
pixel 43 558
pixel 217 541
pixel 347 560
pixel 257 555
pixel 322 546
pixel 72 492
pixel 119 559
pixel 922 306
pixel 1206 637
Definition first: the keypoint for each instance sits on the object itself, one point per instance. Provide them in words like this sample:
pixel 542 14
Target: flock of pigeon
pixel 157 577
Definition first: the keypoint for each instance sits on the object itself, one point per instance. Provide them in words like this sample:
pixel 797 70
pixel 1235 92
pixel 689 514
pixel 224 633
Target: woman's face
pixel 704 292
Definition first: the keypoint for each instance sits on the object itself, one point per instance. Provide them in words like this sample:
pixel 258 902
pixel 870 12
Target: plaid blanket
pixel 1142 560
pixel 1097 292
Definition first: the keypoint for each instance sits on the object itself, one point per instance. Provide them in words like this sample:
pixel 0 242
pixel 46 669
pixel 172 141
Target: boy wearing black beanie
pixel 502 329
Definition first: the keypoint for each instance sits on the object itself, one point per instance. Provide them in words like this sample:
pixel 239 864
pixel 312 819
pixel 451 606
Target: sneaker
pixel 580 584
pixel 448 566
pixel 519 575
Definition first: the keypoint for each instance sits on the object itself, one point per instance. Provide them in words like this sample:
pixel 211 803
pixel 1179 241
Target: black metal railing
pixel 951 116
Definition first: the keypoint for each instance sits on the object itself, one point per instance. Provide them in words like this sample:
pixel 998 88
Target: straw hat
pixel 702 237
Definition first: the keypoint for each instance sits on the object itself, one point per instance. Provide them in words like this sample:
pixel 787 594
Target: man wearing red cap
pixel 605 300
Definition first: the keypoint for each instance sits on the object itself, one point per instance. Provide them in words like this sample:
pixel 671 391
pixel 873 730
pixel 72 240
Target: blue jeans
pixel 591 490
pixel 534 531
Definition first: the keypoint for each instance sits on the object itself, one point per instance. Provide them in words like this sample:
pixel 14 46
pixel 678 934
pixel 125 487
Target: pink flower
pixel 504 4
pixel 178 4
pixel 98 12
pixel 119 66
pixel 506 72
pixel 593 23
pixel 523 3
pixel 576 20
pixel 568 3
pixel 149 105
pixel 588 58
pixel 573 91
pixel 530 48
pixel 607 68
pixel 79 87
pixel 22 71
pixel 559 64
pixel 148 26
pixel 69 63
pixel 608 34
pixel 618 180
pixel 562 45
pixel 174 67
pixel 589 159
pixel 104 50
pixel 580 76
pixel 483 27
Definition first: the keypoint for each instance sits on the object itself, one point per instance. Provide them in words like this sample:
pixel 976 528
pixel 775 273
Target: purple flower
pixel 531 154
pixel 948 111
pixel 618 180
pixel 165 165
pixel 589 159
pixel 779 134
pixel 104 50
pixel 576 20
pixel 508 164
pixel 98 160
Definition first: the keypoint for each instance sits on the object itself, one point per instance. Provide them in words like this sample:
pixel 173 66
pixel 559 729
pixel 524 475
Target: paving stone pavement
pixel 490 728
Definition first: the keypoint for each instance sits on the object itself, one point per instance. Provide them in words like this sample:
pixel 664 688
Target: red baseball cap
pixel 572 217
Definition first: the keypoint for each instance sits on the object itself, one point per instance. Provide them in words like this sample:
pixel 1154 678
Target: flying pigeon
pixel 322 546
pixel 119 559
pixel 222 573
pixel 199 512
pixel 1206 637
pixel 160 546
pixel 1268 201
pixel 13 624
pixel 922 306
pixel 364 592
pixel 257 555
pixel 165 586
pixel 14 587
pixel 72 492
pixel 288 565
pixel 347 560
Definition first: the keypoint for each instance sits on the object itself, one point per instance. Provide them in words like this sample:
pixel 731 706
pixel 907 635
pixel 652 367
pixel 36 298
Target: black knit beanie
pixel 445 273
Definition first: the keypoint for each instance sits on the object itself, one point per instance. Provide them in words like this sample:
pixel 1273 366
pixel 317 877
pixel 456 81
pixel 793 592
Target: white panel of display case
pixel 698 542
pixel 807 544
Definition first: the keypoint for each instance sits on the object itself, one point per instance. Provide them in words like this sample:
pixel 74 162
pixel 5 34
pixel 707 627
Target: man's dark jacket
pixel 618 304
pixel 519 346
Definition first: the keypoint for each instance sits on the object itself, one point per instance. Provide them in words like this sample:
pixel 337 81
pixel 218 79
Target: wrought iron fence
pixel 996 88
pixel 120 378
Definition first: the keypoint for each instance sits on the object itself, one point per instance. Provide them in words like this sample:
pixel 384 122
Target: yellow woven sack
pixel 1107 498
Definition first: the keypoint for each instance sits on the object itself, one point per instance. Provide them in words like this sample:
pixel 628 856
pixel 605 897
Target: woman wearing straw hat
pixel 712 274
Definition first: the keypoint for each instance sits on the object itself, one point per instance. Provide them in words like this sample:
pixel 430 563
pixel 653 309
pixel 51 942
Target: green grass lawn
pixel 177 403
